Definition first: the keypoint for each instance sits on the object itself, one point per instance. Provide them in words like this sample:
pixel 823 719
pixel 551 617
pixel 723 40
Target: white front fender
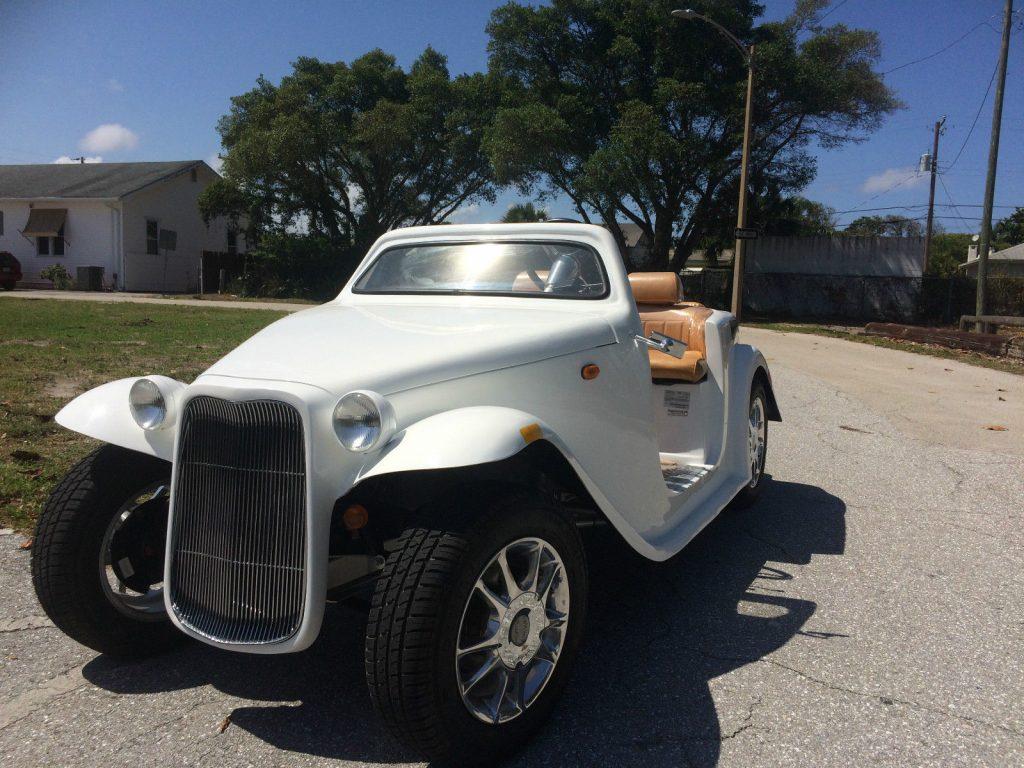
pixel 460 438
pixel 103 413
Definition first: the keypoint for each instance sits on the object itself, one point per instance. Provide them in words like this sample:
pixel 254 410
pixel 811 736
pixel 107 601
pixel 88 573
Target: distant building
pixel 1008 262
pixel 112 215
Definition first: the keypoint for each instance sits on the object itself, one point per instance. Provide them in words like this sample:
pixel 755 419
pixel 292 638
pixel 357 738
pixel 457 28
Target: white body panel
pixel 464 375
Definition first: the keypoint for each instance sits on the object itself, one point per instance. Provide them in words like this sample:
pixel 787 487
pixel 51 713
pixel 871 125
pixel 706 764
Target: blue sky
pixel 147 81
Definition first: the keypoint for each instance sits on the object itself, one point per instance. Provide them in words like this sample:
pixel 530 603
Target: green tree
pixel 884 226
pixel 524 212
pixel 346 152
pixel 1011 229
pixel 638 117
pixel 948 252
pixel 794 217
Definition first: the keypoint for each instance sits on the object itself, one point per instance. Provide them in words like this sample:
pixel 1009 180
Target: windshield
pixel 533 269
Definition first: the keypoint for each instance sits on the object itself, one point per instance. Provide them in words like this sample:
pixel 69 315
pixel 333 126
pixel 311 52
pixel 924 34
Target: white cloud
pixel 890 178
pixel 215 161
pixel 64 159
pixel 109 137
pixel 115 85
pixel 467 214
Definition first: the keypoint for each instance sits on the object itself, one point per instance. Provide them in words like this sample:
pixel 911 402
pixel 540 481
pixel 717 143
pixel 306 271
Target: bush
pixel 295 266
pixel 58 275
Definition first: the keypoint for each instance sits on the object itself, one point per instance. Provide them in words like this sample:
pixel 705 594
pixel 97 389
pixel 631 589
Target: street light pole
pixel 741 212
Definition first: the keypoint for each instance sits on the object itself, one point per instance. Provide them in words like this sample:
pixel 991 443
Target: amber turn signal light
pixel 355 517
pixel 590 372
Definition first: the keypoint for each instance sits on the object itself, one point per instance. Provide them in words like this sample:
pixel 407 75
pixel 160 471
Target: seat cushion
pixel 682 322
pixel 656 287
pixel 690 368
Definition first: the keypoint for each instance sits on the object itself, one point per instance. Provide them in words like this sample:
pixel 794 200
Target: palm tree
pixel 524 212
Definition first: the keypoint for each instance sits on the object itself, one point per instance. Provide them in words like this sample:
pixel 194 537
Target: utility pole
pixel 747 52
pixel 741 214
pixel 990 181
pixel 931 194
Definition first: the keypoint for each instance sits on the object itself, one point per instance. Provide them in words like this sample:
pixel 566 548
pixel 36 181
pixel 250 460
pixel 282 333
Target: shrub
pixel 58 275
pixel 295 266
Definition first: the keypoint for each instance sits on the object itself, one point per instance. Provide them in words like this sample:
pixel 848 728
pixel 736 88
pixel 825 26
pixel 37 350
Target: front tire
pixel 757 445
pixel 97 555
pixel 472 633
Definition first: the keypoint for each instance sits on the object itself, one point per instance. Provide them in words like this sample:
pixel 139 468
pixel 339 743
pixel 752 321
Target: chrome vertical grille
pixel 238 547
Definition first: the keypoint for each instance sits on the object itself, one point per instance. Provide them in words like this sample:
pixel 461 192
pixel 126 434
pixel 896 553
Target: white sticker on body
pixel 677 402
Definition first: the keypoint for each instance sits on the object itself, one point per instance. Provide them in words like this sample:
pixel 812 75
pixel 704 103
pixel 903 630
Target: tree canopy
pixel 884 226
pixel 1011 229
pixel 638 117
pixel 346 152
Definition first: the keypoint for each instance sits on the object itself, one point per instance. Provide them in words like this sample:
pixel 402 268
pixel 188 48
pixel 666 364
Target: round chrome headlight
pixel 363 421
pixel 149 407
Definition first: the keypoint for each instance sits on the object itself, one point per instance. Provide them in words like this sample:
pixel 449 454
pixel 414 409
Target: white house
pixel 118 216
pixel 1008 262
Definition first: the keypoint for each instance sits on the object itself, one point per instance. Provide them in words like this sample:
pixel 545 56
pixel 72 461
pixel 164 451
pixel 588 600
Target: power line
pixel 984 100
pixel 832 10
pixel 950 198
pixel 977 26
pixel 911 206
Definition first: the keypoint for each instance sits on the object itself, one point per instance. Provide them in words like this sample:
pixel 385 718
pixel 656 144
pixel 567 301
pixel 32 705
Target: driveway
pixel 866 611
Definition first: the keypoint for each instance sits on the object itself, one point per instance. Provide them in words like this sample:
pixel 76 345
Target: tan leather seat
pixel 658 298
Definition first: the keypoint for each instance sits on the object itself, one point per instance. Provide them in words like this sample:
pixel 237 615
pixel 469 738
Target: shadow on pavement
pixel 657 634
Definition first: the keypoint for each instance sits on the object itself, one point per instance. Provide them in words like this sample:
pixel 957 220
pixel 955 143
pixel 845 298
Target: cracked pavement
pixel 866 611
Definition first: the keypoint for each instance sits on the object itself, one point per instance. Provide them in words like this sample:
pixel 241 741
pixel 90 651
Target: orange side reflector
pixel 590 371
pixel 531 432
pixel 355 517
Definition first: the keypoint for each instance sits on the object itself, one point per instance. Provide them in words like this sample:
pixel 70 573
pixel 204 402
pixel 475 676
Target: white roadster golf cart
pixel 434 437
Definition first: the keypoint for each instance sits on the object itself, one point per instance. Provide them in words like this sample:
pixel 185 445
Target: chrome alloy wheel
pixel 756 438
pixel 141 560
pixel 512 630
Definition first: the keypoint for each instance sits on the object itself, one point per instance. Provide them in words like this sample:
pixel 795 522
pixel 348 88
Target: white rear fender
pixel 104 413
pixel 460 438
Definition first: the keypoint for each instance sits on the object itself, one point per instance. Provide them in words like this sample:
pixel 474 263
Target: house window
pixel 43 246
pixel 58 243
pixel 232 241
pixel 152 238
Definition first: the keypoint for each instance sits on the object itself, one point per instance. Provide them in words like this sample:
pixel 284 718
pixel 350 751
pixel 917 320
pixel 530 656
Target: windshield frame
pixel 485 294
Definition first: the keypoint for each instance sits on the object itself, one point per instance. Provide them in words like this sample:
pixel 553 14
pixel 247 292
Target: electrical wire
pixel 950 198
pixel 984 100
pixel 832 10
pixel 963 37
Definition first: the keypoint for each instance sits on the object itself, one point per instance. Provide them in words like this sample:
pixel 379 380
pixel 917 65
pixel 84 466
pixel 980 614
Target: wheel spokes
pixel 490 663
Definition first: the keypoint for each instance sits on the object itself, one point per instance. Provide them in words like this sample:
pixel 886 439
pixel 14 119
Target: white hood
pixel 389 348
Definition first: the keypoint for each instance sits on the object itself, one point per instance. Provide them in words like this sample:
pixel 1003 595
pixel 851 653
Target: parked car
pixel 10 270
pixel 435 436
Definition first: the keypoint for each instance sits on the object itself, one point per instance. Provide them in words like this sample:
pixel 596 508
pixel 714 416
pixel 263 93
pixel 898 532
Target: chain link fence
pixel 786 296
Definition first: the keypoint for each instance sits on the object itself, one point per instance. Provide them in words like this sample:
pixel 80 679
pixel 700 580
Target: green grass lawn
pixel 54 350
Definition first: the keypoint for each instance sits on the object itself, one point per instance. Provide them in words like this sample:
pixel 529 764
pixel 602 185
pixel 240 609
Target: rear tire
pixel 69 542
pixel 757 440
pixel 418 620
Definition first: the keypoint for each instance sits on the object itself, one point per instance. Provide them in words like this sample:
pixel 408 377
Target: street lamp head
pixel 688 13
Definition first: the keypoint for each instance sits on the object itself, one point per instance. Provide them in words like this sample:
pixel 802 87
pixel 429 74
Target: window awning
pixel 45 222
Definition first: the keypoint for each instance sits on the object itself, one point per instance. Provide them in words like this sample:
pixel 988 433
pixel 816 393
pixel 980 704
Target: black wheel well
pixel 761 377
pixel 397 501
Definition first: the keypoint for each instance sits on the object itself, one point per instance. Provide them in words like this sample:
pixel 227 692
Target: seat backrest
pixel 658 298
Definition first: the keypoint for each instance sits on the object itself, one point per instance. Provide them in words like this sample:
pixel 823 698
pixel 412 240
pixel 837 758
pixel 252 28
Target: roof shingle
pixel 98 180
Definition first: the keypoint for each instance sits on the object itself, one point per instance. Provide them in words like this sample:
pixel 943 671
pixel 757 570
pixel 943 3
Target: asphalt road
pixel 867 611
